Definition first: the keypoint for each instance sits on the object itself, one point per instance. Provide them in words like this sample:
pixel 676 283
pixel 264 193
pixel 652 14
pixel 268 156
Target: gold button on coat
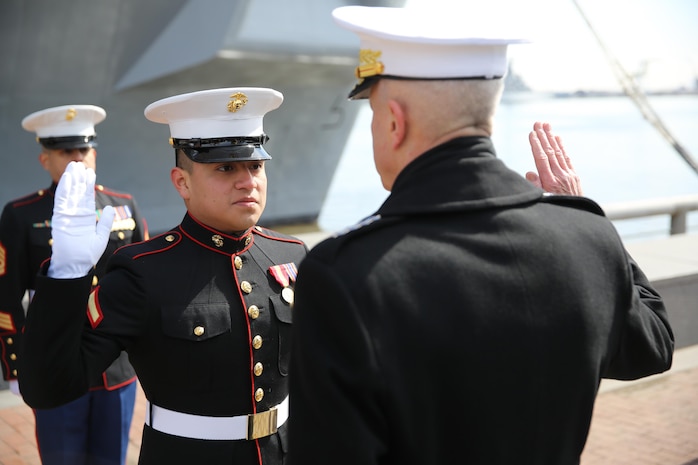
pixel 199 331
pixel 238 263
pixel 10 341
pixel 247 240
pixel 257 342
pixel 13 357
pixel 259 395
pixel 253 312
pixel 121 235
pixel 169 238
pixel 258 369
pixel 95 280
pixel 246 287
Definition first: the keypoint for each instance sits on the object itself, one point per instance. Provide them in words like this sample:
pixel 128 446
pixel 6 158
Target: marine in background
pixel 93 428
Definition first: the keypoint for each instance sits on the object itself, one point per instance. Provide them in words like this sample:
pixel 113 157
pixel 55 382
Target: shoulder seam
pixel 27 199
pixel 107 191
pixel 276 236
pixel 154 242
pixel 580 203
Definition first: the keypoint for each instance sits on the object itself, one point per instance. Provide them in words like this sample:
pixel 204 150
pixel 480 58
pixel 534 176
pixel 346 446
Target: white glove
pixel 14 387
pixel 78 240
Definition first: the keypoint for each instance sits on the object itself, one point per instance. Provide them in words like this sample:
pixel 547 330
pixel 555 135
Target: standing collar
pixel 213 239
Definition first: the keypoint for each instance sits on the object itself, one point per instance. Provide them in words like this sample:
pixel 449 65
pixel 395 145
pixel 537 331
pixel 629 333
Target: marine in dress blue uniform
pixel 204 313
pixel 95 427
pixel 471 319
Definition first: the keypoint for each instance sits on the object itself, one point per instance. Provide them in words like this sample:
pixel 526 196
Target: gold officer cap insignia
pixel 237 101
pixel 369 64
pixel 70 114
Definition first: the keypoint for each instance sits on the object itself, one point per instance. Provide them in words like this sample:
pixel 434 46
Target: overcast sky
pixel 657 36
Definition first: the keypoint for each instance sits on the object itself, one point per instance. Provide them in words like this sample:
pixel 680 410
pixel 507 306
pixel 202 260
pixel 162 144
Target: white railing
pixel 676 207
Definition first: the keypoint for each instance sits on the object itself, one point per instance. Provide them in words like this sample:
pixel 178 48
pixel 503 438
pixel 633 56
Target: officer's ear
pixel 398 123
pixel 180 181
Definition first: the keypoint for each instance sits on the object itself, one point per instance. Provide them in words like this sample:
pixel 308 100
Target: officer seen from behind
pixel 471 319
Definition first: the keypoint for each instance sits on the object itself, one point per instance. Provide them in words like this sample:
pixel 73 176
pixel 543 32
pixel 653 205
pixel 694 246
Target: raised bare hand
pixel 555 171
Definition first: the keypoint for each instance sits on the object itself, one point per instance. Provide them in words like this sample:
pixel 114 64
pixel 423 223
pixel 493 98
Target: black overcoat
pixel 469 321
pixel 181 305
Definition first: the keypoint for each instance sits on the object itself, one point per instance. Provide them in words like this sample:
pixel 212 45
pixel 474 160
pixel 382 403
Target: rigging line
pixel 632 90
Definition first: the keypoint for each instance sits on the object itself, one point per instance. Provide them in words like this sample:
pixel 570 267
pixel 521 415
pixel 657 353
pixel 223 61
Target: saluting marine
pixel 203 310
pixel 98 424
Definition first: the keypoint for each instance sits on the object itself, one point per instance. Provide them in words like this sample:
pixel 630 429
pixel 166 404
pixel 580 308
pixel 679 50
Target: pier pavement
pixel 653 421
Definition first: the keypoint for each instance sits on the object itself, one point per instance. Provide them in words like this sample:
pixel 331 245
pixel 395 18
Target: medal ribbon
pixel 284 274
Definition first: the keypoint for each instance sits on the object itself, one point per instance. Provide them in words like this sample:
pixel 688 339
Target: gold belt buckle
pixel 261 424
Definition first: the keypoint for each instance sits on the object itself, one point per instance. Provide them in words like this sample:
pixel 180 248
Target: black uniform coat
pixel 179 305
pixel 25 242
pixel 469 322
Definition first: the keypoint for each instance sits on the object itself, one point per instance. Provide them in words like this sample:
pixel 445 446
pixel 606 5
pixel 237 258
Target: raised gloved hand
pixel 78 240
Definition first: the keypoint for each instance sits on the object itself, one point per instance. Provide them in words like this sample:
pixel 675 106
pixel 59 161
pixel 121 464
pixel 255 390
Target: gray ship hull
pixel 124 54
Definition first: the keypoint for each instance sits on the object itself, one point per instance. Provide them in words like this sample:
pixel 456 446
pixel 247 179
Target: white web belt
pixel 251 426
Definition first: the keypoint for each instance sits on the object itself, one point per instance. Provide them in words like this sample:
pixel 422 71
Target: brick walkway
pixel 652 422
pixel 18 443
pixel 649 423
